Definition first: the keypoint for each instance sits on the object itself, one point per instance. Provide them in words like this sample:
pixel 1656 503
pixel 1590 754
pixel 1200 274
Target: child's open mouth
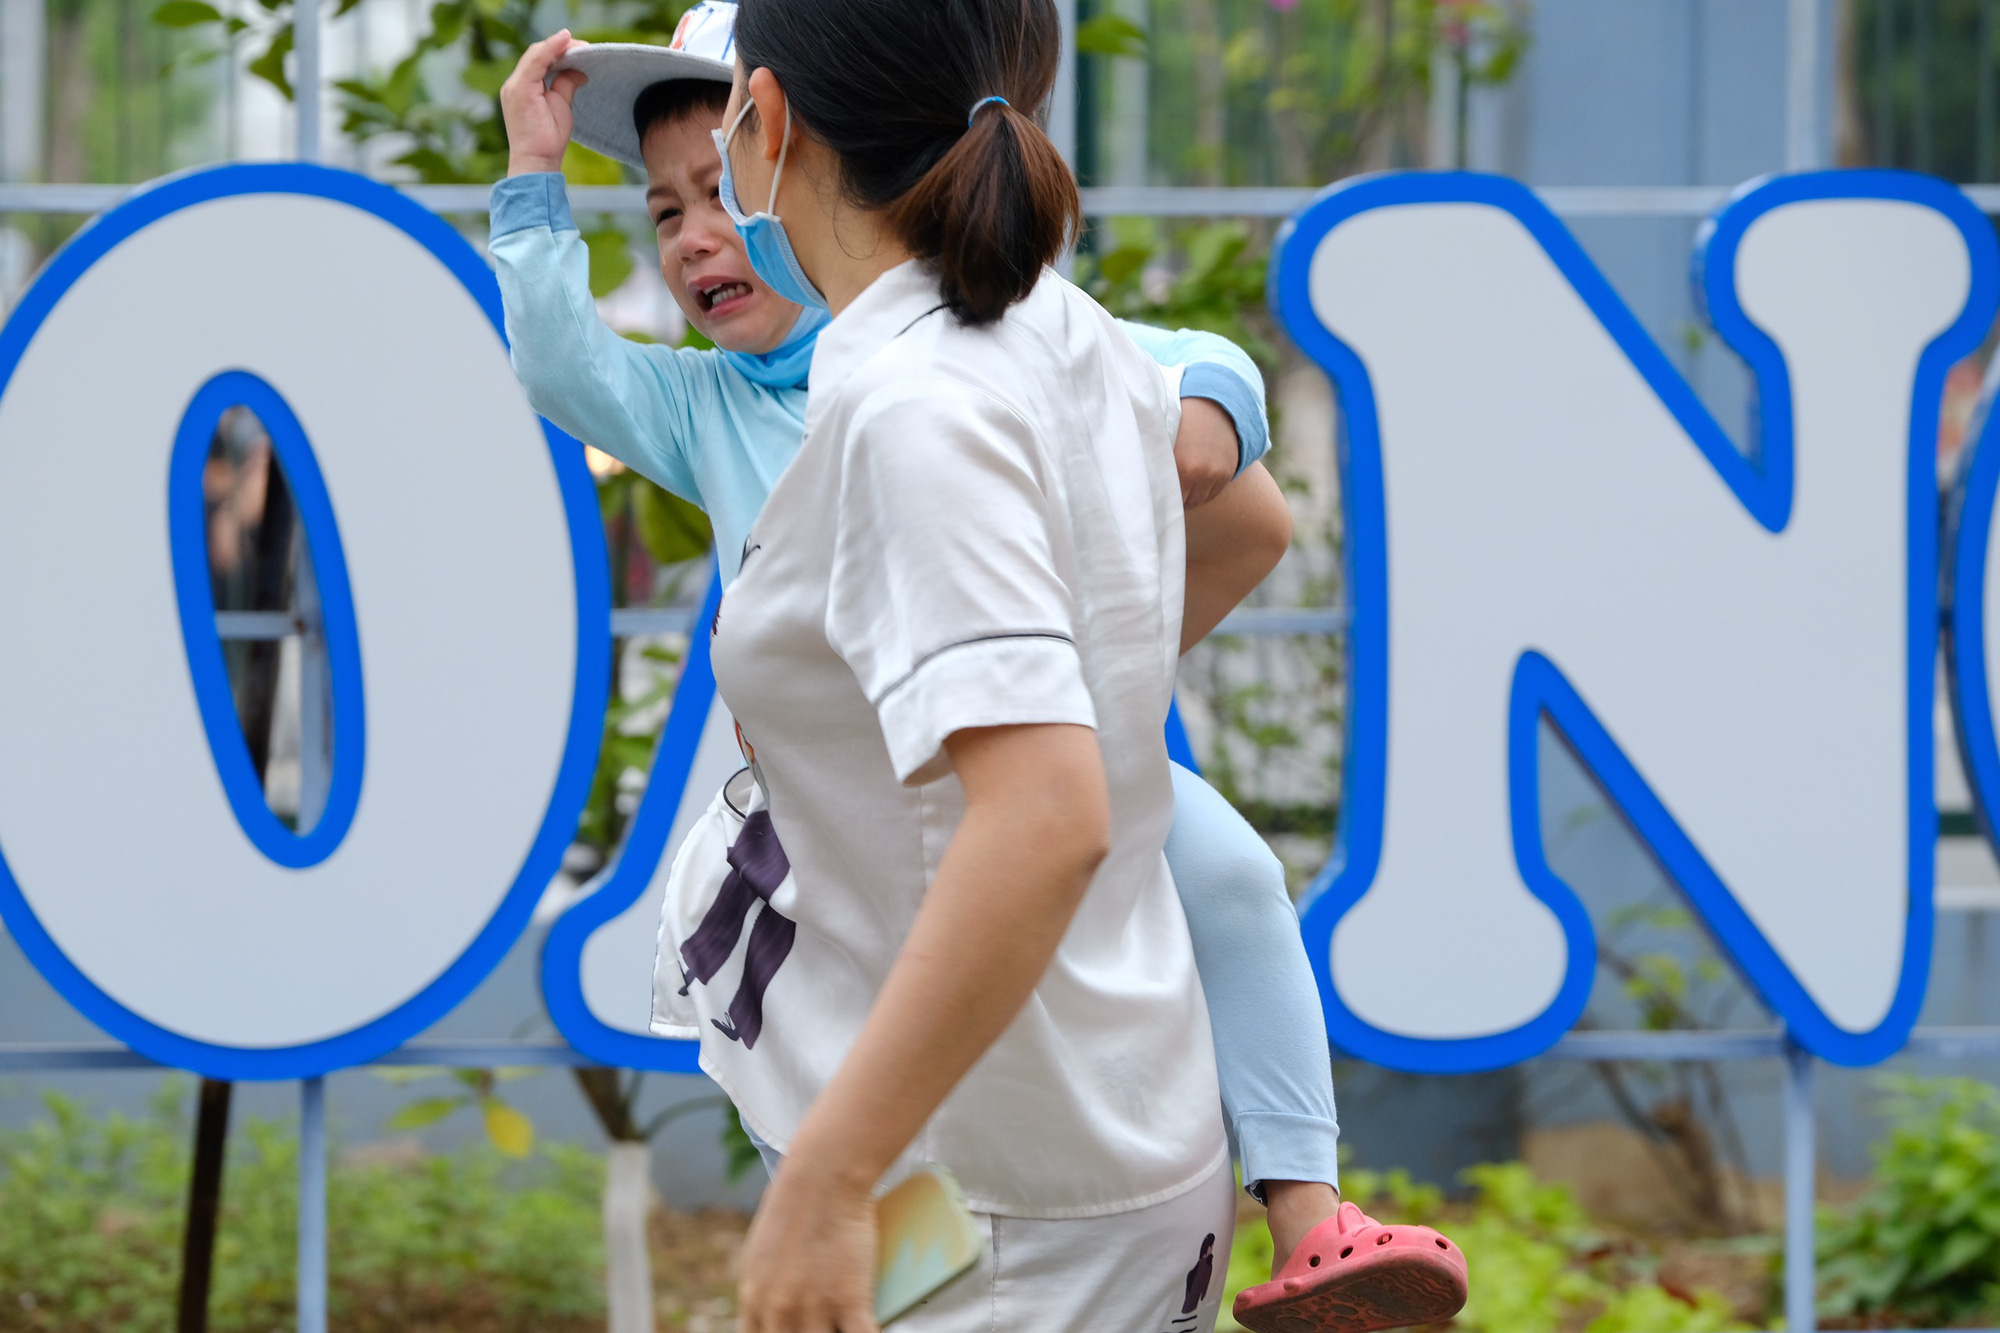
pixel 720 297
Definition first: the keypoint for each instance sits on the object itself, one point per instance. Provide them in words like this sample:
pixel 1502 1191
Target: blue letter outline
pixel 620 885
pixel 593 643
pixel 1968 534
pixel 1763 485
pixel 187 538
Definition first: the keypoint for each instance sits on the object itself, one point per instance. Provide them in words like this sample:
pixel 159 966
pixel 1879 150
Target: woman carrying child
pixel 955 638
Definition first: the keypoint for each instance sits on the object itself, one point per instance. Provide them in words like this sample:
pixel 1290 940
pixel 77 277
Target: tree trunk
pixel 628 1273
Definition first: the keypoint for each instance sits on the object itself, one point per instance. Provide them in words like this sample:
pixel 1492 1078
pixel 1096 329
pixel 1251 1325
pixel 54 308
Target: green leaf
pixel 581 166
pixel 270 67
pixel 431 166
pixel 610 259
pixel 447 24
pixel 359 90
pixel 485 76
pixel 427 1111
pixel 741 1148
pixel 1126 262
pixel 507 1129
pixel 671 529
pixel 185 14
pixel 1111 35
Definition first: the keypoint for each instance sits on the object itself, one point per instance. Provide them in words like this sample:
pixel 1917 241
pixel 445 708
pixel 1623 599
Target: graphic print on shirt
pixel 1198 1279
pixel 757 866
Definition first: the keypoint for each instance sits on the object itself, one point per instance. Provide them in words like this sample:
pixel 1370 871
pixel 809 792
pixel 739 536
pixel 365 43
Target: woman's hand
pixel 808 1263
pixel 1206 451
pixel 538 118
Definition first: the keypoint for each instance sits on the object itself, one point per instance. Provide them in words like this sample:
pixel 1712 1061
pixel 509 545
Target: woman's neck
pixel 846 248
pixel 847 255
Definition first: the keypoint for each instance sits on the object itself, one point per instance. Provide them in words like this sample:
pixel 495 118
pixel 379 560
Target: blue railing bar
pixel 26 1057
pixel 629 621
pixel 1692 201
pixel 1666 1047
pixel 256 625
pixel 32 198
pixel 1954 1043
pixel 1671 1046
pixel 1284 620
pixel 486 1054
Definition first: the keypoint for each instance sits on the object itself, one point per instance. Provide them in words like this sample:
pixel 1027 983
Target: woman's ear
pixel 770 101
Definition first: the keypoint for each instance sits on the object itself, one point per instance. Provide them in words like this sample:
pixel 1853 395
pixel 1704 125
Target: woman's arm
pixel 1037 823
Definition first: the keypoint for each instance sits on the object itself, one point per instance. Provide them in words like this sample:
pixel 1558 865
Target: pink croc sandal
pixel 1351 1274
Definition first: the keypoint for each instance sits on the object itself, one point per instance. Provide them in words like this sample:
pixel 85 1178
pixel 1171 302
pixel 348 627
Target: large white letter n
pixel 1544 521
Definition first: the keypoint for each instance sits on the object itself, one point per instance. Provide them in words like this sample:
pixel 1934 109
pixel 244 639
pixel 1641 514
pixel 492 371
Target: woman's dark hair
pixel 664 103
pixel 889 86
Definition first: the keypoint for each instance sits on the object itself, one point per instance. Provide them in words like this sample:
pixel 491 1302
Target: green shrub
pixel 91 1211
pixel 1536 1265
pixel 1922 1247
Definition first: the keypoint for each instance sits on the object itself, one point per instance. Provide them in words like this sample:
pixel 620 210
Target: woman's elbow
pixel 1075 821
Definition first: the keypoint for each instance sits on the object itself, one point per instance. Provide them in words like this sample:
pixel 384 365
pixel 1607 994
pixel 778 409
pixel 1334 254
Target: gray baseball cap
pixel 704 47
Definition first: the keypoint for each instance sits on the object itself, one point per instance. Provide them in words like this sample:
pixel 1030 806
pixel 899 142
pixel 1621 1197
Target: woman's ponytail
pixel 997 208
pixel 923 102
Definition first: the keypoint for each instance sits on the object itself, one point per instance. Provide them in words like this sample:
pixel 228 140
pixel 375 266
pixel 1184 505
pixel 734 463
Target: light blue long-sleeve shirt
pixel 689 419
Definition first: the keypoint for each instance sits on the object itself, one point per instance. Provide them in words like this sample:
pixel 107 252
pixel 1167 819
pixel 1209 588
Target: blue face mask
pixel 784 366
pixel 764 239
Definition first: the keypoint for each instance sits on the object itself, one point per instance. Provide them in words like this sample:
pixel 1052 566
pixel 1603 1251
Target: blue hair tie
pixel 982 102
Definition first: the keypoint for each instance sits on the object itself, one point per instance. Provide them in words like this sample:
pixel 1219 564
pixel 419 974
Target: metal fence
pixel 1805 87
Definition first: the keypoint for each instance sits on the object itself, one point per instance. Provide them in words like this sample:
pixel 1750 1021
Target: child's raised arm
pixel 639 404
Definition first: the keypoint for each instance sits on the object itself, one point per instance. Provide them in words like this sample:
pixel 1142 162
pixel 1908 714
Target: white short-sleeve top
pixel 982 528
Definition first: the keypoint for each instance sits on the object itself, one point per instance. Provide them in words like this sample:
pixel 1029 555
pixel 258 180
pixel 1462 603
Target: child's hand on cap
pixel 536 109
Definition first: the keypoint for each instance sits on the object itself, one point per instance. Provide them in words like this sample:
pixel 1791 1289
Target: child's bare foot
pixel 1294 1208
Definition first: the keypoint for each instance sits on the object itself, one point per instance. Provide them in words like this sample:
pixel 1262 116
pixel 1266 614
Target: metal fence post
pixel 312 1205
pixel 306 81
pixel 1801 1290
pixel 1802 86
